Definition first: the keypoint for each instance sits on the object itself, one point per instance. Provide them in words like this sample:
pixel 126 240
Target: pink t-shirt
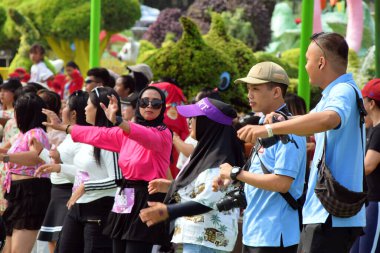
pixel 144 152
pixel 21 145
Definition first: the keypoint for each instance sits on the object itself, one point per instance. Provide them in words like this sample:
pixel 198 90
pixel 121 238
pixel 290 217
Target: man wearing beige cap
pixel 337 124
pixel 275 173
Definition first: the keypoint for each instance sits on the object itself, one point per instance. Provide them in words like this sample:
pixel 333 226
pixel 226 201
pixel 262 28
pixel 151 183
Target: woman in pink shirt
pixel 144 148
pixel 27 196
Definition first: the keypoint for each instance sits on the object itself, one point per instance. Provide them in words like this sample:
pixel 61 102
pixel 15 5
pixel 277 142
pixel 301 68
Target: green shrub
pixel 195 65
pixel 236 50
pixel 291 56
pixel 291 70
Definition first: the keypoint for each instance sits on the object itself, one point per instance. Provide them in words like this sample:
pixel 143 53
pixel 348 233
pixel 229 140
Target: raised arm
pixel 101 137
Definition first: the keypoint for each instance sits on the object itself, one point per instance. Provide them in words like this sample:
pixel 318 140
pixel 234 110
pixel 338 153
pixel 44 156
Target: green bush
pixel 238 28
pixel 291 56
pixel 195 65
pixel 291 70
pixel 236 50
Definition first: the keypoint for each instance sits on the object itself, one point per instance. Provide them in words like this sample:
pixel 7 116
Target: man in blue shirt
pixel 270 224
pixel 337 115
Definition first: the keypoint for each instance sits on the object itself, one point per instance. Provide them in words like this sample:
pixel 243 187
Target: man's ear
pixel 322 62
pixel 277 92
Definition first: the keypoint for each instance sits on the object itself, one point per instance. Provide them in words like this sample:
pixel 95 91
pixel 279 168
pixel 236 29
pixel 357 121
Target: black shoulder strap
pixel 287 196
pixel 362 114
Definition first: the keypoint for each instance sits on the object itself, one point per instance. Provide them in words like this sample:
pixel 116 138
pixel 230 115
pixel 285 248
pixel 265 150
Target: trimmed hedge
pixel 196 65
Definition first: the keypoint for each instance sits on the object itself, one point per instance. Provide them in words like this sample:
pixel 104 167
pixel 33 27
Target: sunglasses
pixel 314 38
pixel 87 81
pixel 154 103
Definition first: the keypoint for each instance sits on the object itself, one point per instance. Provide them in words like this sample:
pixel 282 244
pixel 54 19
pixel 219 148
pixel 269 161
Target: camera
pixel 270 141
pixel 233 199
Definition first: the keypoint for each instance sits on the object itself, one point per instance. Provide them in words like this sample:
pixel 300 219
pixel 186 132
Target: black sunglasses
pixel 155 103
pixel 314 38
pixel 88 81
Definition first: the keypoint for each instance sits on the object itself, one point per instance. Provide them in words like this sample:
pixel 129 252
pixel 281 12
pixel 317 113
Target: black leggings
pixel 125 246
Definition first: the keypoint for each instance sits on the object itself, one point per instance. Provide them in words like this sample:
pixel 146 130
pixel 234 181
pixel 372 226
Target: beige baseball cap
pixel 265 72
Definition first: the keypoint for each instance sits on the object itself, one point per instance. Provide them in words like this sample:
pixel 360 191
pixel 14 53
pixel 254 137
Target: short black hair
pixel 24 90
pixel 333 45
pixel 141 81
pixel 37 48
pixel 51 99
pixel 37 86
pixel 207 93
pixel 102 75
pixel 28 109
pixel 282 86
pixel 128 82
pixel 72 64
pixel 100 95
pixel 77 102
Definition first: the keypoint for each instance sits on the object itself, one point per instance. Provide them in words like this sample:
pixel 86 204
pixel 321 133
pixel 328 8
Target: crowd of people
pixel 122 164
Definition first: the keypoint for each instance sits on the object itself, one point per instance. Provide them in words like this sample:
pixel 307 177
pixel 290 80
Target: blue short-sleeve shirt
pixel 268 217
pixel 344 152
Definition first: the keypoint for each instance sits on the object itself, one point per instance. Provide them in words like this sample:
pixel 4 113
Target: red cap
pixel 20 70
pixel 372 89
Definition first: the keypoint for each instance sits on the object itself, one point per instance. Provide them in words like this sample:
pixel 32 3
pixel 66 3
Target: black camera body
pixel 270 141
pixel 236 197
pixel 233 199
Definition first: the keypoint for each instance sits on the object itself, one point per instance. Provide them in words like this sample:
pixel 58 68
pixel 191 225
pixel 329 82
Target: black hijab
pixel 217 144
pixel 157 122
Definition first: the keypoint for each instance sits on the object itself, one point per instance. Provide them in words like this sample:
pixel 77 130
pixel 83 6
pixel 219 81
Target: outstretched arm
pixel 303 125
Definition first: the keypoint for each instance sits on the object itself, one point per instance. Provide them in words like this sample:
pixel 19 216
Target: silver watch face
pixel 235 169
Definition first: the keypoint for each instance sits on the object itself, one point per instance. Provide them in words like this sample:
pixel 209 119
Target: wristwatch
pixel 118 121
pixel 235 172
pixel 6 158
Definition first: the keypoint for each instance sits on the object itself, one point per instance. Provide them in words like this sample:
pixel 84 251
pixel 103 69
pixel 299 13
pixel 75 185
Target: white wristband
pixel 269 130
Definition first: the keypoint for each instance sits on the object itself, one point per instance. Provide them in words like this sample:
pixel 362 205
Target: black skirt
pixel 129 226
pixel 28 200
pixel 56 212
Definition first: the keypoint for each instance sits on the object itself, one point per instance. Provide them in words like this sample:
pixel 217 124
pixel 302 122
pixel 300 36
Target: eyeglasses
pixel 155 103
pixel 314 38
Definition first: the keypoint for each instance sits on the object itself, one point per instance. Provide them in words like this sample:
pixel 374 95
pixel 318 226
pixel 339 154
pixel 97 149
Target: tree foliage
pixel 239 53
pixel 194 64
pixel 64 24
pixel 167 21
pixel 257 12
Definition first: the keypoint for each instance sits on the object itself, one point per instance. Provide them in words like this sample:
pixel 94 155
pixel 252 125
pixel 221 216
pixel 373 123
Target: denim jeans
pixel 194 248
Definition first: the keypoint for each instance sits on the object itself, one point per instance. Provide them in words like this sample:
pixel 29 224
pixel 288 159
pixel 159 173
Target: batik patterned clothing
pixel 214 229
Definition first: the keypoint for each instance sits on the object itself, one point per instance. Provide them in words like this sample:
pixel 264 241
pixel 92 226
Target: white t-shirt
pixel 182 159
pixel 80 160
pixel 214 229
pixel 67 150
pixel 40 73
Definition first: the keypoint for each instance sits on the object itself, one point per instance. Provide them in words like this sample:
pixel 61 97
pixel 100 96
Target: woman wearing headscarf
pixel 199 226
pixel 174 121
pixel 144 148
